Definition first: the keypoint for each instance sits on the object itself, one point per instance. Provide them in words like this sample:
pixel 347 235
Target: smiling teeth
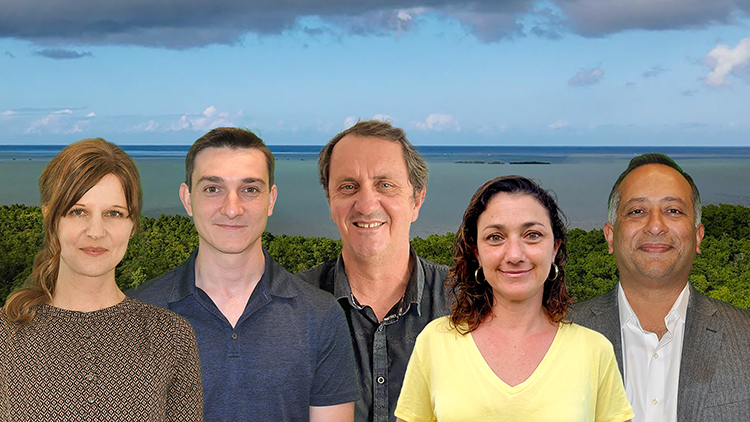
pixel 368 226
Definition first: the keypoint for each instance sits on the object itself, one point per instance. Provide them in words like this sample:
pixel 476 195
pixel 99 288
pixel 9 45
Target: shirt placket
pixel 380 370
pixel 658 371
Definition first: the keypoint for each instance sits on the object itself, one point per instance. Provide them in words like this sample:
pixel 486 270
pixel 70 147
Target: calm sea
pixel 580 176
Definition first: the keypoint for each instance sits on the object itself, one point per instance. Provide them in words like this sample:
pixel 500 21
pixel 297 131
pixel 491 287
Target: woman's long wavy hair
pixel 472 301
pixel 67 177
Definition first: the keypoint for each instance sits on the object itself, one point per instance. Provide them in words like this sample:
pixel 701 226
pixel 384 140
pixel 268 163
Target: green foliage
pixel 721 271
pixel 436 248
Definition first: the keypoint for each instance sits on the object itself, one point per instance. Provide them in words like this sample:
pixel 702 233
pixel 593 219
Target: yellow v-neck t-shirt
pixel 448 380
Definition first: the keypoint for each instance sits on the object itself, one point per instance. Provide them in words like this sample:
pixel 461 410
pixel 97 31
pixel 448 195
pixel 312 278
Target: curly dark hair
pixel 471 301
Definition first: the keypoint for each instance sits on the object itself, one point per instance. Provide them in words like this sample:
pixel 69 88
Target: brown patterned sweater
pixel 129 362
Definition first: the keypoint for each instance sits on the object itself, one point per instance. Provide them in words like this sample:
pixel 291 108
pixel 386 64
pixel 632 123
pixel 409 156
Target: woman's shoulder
pixel 159 320
pixel 588 338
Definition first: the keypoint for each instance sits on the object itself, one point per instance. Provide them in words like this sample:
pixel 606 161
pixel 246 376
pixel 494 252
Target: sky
pixel 488 72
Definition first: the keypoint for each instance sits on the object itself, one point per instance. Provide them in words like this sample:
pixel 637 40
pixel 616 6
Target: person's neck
pixel 379 282
pixel 86 294
pixel 652 301
pixel 229 275
pixel 523 318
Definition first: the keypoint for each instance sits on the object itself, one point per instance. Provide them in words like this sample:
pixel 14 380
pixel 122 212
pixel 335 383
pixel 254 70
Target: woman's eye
pixel 534 235
pixel 494 238
pixel 114 214
pixel 77 212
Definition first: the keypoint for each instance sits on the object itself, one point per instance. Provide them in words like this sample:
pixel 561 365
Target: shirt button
pixel 381 380
pixel 656 356
pixel 91 399
pixel 234 336
pixel 654 402
pixel 381 328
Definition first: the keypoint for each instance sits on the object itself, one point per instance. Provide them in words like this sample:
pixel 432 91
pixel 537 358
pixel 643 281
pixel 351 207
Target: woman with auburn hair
pixel 72 346
pixel 505 352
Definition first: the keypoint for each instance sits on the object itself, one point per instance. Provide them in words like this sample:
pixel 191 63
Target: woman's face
pixel 515 247
pixel 94 233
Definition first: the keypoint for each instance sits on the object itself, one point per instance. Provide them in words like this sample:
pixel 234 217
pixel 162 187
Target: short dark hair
pixel 472 301
pixel 416 165
pixel 228 137
pixel 642 160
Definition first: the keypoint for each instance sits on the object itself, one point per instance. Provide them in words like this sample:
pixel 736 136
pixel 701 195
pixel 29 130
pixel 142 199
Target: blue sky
pixel 514 72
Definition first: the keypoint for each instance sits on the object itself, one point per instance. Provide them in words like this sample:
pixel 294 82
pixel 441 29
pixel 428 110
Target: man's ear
pixel 699 232
pixel 609 234
pixel 186 199
pixel 418 201
pixel 272 199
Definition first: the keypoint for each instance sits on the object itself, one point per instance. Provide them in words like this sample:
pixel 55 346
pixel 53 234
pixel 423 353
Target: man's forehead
pixel 226 162
pixel 367 148
pixel 655 182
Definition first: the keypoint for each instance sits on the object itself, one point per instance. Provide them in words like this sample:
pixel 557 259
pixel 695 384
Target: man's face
pixel 371 199
pixel 654 238
pixel 230 200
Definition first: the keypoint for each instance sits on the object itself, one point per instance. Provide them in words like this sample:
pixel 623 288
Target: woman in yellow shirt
pixel 505 352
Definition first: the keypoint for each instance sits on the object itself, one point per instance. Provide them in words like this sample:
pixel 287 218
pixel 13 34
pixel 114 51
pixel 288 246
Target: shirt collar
pixel 678 310
pixel 275 281
pixel 414 288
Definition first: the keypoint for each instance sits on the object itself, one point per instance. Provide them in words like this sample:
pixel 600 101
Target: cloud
pixel 653 72
pixel 8 113
pixel 560 124
pixel 439 123
pixel 195 23
pixel 602 17
pixel 586 77
pixel 61 54
pixel 150 126
pixel 724 61
pixel 90 115
pixel 211 118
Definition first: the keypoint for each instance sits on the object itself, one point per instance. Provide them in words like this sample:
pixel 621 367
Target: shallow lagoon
pixel 581 179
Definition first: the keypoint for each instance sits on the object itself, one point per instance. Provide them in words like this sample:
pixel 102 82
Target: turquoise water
pixel 581 179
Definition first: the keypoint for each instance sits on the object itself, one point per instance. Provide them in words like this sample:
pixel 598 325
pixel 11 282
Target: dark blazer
pixel 715 369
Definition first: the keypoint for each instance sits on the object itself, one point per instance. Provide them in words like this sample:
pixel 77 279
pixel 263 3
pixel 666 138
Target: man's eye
pixel 252 189
pixel 636 212
pixel 211 189
pixel 385 185
pixel 347 187
pixel 674 211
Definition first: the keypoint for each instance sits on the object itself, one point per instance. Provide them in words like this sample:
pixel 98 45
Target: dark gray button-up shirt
pixel 382 349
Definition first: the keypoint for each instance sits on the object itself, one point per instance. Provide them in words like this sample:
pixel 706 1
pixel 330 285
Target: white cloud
pixel 560 124
pixel 350 121
pixel 8 113
pixel 211 118
pixel 91 115
pixel 150 126
pixel 586 77
pixel 725 61
pixel 439 123
pixel 65 111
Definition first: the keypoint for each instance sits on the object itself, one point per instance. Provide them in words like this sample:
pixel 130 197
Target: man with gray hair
pixel 683 356
pixel 375 182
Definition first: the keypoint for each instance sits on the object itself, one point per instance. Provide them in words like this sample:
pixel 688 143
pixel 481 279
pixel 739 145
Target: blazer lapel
pixel 607 321
pixel 700 350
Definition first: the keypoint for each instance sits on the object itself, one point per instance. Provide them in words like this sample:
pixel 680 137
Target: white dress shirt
pixel 651 366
